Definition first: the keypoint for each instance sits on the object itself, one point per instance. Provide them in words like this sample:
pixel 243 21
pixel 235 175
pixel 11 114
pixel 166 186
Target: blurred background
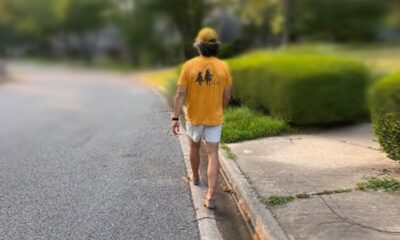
pixel 147 33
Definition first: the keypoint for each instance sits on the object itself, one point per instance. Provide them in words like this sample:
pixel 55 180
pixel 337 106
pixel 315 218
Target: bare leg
pixel 195 157
pixel 213 168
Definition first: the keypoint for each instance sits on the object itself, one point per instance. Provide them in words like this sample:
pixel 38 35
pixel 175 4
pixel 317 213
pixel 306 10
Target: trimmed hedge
pixel 384 100
pixel 302 89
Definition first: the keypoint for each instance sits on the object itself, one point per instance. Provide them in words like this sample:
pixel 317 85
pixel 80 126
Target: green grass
pixel 328 192
pixel 161 79
pixel 303 195
pixel 241 124
pixel 228 151
pixel 387 184
pixel 276 200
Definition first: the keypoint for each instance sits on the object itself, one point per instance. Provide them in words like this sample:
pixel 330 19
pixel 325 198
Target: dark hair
pixel 208 50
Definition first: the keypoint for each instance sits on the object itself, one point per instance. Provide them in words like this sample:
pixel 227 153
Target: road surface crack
pixel 353 222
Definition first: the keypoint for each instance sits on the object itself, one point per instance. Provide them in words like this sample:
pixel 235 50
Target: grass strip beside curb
pixel 241 124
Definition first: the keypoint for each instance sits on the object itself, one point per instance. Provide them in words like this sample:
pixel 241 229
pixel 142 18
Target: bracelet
pixel 175 118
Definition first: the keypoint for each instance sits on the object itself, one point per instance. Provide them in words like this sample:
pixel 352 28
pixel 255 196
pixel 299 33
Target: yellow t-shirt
pixel 205 78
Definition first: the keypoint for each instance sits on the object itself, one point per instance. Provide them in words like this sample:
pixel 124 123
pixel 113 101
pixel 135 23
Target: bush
pixel 384 99
pixel 245 124
pixel 338 20
pixel 302 89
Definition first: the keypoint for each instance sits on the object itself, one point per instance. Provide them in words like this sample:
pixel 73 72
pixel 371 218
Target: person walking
pixel 204 86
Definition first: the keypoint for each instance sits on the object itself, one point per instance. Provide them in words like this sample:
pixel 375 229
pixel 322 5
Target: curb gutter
pixel 260 221
pixel 258 218
pixel 205 218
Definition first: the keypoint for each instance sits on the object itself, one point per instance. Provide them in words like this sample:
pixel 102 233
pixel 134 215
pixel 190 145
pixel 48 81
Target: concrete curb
pixel 259 219
pixel 206 220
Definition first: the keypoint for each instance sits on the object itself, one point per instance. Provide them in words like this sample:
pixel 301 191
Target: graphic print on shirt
pixel 207 76
pixel 199 79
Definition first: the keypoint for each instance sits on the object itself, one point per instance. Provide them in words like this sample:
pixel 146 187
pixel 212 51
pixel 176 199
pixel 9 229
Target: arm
pixel 227 95
pixel 179 100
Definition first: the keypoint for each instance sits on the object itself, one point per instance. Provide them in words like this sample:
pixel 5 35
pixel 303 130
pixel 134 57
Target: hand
pixel 175 127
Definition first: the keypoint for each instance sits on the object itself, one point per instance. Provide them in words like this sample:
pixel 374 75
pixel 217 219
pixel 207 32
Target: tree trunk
pixel 188 49
pixel 189 22
pixel 188 32
pixel 285 27
pixel 3 70
pixel 86 49
pixel 187 16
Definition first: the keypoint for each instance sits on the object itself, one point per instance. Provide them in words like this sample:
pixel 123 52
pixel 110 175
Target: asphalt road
pixel 87 155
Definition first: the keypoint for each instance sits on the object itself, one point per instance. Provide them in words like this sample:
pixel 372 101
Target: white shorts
pixel 211 134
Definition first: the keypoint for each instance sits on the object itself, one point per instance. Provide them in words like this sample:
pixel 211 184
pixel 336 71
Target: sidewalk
pixel 332 160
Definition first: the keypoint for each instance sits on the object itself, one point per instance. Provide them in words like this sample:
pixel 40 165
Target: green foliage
pixel 139 35
pixel 339 20
pixel 243 124
pixel 33 19
pixel 277 200
pixel 187 15
pixel 159 31
pixel 254 10
pixel 80 16
pixel 35 22
pixel 328 20
pixel 384 100
pixel 387 184
pixel 228 50
pixel 302 89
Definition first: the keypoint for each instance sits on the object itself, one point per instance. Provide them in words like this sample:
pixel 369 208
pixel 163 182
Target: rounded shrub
pixel 302 89
pixel 384 101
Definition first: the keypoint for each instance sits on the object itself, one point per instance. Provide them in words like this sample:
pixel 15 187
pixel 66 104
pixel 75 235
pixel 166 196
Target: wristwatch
pixel 175 118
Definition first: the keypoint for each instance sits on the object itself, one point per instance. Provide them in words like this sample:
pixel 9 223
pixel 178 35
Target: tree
pixel 135 19
pixel 264 21
pixel 332 20
pixel 24 19
pixel 339 20
pixel 82 17
pixel 187 16
pixel 34 20
pixel 7 37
